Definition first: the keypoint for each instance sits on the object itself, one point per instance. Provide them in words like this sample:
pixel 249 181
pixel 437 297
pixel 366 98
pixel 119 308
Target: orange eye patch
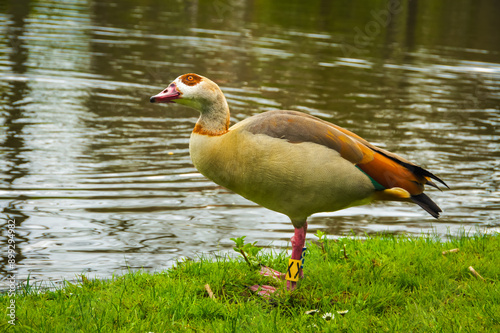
pixel 191 79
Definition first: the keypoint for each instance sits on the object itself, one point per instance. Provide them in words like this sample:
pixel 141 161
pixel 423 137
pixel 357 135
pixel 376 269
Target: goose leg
pixel 298 240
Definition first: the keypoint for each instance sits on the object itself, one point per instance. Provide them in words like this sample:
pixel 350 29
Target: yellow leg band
pixel 292 273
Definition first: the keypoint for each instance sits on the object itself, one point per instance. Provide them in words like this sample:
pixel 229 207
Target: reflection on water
pixel 98 179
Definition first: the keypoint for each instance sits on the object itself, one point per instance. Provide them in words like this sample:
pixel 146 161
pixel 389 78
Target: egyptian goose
pixel 291 162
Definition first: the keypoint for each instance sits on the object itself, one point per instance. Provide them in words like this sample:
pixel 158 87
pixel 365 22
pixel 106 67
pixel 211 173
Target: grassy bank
pixel 393 284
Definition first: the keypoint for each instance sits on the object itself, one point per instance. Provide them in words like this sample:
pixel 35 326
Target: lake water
pixel 98 179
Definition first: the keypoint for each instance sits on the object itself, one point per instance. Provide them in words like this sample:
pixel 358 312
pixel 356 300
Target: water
pixel 98 179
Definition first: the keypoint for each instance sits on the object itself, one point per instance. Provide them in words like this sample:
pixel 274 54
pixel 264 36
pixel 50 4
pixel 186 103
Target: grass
pixel 387 284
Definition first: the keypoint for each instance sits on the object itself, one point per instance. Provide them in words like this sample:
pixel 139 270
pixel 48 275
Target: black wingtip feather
pixel 412 167
pixel 431 183
pixel 422 172
pixel 426 203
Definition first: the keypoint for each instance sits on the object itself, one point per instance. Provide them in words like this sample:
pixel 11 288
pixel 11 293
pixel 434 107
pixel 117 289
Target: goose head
pixel 193 90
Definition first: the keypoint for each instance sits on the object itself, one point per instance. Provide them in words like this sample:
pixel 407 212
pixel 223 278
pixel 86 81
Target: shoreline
pixel 383 282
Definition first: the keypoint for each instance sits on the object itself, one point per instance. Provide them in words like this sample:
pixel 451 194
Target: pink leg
pixel 298 241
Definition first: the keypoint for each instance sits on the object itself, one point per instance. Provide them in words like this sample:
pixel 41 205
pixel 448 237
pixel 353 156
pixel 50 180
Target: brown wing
pixel 383 167
pixel 297 127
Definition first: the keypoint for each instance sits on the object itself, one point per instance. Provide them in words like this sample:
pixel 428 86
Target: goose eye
pixel 191 79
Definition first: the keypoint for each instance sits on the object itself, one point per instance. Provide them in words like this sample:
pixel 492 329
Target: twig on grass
pixel 209 291
pixel 476 274
pixel 450 251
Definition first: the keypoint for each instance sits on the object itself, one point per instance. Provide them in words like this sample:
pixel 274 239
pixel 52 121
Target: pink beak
pixel 167 95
